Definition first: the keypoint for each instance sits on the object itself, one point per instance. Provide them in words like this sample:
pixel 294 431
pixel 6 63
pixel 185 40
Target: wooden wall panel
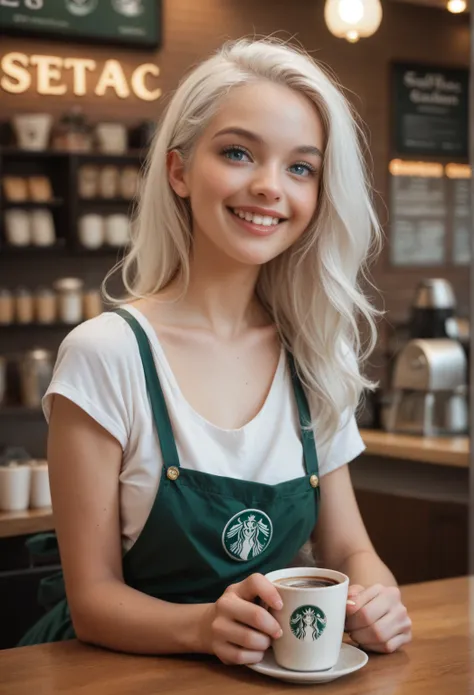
pixel 193 29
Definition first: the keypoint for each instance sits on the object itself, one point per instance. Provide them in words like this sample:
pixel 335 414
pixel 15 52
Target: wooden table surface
pixel 439 661
pixel 444 451
pixel 29 521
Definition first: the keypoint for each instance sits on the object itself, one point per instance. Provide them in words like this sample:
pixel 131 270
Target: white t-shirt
pixel 99 369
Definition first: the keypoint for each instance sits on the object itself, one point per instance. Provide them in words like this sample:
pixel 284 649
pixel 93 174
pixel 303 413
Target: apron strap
pixel 307 435
pixel 155 392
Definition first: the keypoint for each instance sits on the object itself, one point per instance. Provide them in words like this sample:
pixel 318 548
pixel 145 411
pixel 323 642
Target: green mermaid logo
pixel 308 623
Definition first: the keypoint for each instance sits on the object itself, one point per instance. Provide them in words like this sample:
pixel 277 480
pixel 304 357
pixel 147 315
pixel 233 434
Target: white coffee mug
pixel 91 231
pixel 40 494
pixel 14 487
pixel 17 227
pixel 42 228
pixel 117 230
pixel 312 618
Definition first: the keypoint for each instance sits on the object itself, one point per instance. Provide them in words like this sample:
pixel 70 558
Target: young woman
pixel 184 425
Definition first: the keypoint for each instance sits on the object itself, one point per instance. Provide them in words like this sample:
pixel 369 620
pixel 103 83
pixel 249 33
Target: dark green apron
pixel 204 531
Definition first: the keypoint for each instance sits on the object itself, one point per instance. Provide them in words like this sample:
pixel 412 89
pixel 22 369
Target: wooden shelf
pixel 105 201
pixel 442 451
pixel 31 204
pixel 17 153
pixel 26 522
pixel 20 411
pixel 15 251
pixel 56 326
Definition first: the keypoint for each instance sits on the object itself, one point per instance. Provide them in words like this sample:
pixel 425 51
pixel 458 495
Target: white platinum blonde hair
pixel 312 290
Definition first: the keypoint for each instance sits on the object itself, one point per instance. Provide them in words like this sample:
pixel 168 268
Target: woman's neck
pixel 220 296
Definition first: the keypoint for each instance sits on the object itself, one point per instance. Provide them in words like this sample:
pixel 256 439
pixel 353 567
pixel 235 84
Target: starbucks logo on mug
pixel 308 623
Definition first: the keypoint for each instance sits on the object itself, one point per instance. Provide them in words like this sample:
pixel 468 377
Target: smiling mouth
pixel 257 219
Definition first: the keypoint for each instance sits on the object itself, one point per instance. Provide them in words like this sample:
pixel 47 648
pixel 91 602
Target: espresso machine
pixel 429 389
pixel 429 380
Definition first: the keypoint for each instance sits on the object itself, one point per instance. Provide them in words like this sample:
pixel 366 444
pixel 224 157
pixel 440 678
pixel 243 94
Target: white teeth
pixel 265 220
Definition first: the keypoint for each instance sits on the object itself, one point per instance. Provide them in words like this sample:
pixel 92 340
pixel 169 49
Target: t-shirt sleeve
pixel 344 447
pixel 92 371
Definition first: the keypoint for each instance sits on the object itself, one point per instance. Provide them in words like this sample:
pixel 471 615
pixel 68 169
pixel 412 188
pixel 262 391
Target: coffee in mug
pixel 312 618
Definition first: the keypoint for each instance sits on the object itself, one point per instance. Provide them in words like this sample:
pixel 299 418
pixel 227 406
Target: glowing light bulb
pixel 456 6
pixel 354 19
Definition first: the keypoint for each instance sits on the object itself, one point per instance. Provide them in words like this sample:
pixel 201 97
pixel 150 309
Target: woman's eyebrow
pixel 243 132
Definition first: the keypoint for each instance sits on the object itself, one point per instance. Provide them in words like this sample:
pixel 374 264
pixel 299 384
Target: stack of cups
pixel 23 485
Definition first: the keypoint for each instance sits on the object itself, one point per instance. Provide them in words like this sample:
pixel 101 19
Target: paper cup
pixel 40 494
pixel 312 619
pixel 14 487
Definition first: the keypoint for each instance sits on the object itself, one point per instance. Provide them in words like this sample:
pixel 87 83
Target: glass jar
pixel 46 305
pixel 7 307
pixel 24 306
pixel 92 304
pixel 69 291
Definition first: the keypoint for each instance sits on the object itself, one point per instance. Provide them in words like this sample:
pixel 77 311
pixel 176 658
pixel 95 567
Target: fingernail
pixel 278 634
pixel 278 605
pixel 351 603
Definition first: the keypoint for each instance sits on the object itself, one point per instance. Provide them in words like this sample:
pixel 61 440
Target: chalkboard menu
pixel 129 22
pixel 418 213
pixel 462 223
pixel 430 111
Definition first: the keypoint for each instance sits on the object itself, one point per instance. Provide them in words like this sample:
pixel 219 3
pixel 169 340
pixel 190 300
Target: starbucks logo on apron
pixel 129 8
pixel 81 8
pixel 308 623
pixel 247 534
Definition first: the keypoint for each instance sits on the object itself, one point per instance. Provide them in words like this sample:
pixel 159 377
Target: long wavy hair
pixel 312 290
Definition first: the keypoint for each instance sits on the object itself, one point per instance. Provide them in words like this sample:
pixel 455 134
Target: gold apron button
pixel 172 473
pixel 314 481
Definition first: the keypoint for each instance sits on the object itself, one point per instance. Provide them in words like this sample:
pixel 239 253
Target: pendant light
pixel 353 19
pixel 456 6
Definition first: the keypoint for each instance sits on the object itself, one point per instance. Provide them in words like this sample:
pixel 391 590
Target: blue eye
pixel 301 169
pixel 236 154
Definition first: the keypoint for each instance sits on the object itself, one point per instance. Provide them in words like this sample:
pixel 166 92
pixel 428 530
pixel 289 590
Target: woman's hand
pixel 237 630
pixel 378 620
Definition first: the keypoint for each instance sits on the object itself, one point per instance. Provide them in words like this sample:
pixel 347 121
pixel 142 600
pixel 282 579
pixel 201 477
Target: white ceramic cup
pixel 33 130
pixel 312 619
pixel 17 227
pixel 40 494
pixel 42 228
pixel 111 138
pixel 91 231
pixel 117 230
pixel 14 487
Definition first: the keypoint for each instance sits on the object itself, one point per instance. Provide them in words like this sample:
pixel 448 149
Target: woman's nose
pixel 266 184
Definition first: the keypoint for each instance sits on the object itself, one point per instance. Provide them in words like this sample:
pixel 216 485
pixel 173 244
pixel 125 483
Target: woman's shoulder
pixel 106 336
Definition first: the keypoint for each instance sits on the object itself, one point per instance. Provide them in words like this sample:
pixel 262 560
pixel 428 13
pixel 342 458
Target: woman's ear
pixel 177 174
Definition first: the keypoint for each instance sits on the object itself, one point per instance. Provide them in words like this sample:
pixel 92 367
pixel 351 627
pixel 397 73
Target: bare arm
pixel 341 540
pixel 84 463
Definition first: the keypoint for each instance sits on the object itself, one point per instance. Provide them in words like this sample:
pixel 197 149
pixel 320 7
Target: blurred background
pixel 82 84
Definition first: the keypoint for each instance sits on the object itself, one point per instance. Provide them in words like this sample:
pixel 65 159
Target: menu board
pixel 130 22
pixel 462 220
pixel 430 111
pixel 418 213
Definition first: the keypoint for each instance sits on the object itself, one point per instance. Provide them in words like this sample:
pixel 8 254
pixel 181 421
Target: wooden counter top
pixel 443 451
pixel 29 521
pixel 440 660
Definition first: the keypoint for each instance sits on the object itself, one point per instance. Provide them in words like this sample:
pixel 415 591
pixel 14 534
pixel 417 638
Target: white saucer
pixel 350 659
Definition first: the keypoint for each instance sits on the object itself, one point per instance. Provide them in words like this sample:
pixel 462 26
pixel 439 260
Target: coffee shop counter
pixel 413 493
pixel 25 523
